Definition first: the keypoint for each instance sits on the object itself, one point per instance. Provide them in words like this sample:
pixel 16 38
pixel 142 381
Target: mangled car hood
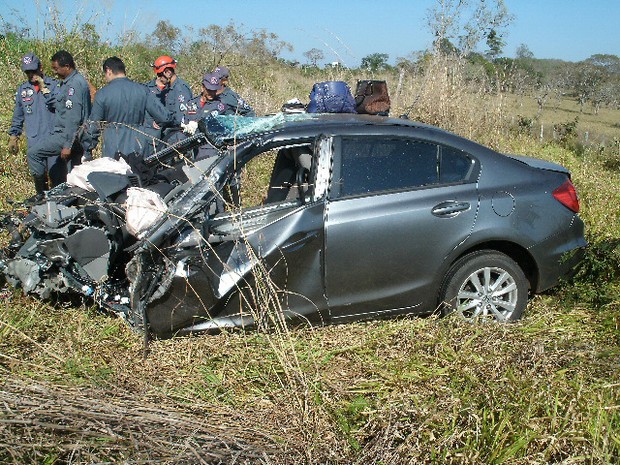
pixel 78 240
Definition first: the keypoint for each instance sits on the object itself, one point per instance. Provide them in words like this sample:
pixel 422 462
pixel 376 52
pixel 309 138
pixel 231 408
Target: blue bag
pixel 331 97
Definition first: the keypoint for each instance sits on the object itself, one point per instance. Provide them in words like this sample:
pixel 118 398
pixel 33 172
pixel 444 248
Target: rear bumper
pixel 559 256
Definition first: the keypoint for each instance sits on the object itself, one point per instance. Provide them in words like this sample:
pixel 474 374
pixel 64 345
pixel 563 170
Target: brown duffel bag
pixel 371 97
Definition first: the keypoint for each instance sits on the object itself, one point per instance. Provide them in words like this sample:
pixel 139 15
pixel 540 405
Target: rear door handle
pixel 450 208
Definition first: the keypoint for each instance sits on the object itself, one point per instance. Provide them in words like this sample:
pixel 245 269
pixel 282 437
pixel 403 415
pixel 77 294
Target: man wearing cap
pixel 205 104
pixel 229 96
pixel 210 102
pixel 120 107
pixel 71 110
pixel 34 108
pixel 173 92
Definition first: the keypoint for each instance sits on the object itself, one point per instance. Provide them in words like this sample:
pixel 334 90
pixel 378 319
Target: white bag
pixel 144 209
pixel 79 175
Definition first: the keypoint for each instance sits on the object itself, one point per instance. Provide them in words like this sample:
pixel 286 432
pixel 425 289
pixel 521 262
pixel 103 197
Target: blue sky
pixel 347 30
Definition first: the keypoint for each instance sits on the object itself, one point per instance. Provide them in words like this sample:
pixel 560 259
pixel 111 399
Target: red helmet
pixel 162 63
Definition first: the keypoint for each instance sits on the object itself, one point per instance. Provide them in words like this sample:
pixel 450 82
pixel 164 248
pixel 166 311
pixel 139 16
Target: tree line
pixel 461 29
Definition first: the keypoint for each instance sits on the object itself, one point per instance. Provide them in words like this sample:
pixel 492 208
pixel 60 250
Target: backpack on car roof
pixel 372 98
pixel 331 97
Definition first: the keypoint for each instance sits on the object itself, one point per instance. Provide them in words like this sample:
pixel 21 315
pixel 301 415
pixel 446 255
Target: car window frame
pixel 336 172
pixel 259 150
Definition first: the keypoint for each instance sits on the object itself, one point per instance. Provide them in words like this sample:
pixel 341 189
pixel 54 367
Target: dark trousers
pixel 44 158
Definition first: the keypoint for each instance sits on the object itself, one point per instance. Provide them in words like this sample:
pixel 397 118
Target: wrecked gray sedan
pixel 359 217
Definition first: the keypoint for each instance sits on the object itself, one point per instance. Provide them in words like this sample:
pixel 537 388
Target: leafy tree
pixel 314 55
pixel 495 44
pixel 232 45
pixel 597 80
pixel 446 48
pixel 263 46
pixel 375 62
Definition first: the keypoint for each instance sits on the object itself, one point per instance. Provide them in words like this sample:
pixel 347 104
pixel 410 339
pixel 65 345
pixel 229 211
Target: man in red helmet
pixel 173 92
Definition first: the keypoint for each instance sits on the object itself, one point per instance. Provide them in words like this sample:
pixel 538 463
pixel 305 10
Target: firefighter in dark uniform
pixel 174 94
pixel 34 109
pixel 157 87
pixel 120 108
pixel 209 102
pixel 229 96
pixel 72 107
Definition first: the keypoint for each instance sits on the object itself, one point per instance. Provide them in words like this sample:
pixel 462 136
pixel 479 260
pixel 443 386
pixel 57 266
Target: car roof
pixel 224 129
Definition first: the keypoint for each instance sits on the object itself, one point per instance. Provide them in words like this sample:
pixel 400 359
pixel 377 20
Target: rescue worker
pixel 174 94
pixel 229 96
pixel 209 102
pixel 71 110
pixel 157 87
pixel 120 108
pixel 34 108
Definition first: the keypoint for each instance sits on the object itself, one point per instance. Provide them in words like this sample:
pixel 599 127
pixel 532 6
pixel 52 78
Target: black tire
pixel 485 285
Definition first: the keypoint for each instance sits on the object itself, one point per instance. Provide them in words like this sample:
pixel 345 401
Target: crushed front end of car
pixel 171 277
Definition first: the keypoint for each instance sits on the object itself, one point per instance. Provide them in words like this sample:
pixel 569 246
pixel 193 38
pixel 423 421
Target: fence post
pixel 542 126
pixel 399 86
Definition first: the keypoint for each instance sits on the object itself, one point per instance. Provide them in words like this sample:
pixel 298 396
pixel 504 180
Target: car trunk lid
pixel 540 164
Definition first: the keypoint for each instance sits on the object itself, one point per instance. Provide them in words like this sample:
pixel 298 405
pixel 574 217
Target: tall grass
pixel 75 387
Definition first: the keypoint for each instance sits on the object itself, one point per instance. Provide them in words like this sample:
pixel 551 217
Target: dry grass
pixel 44 422
pixel 76 387
pixel 405 391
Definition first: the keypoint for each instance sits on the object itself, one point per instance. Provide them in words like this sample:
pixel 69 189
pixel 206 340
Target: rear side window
pixel 454 165
pixel 374 164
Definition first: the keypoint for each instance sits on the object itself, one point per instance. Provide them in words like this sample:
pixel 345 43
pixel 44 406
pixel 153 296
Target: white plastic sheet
pixel 79 175
pixel 144 208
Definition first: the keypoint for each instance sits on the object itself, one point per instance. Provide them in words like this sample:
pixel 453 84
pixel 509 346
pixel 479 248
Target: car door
pixel 397 207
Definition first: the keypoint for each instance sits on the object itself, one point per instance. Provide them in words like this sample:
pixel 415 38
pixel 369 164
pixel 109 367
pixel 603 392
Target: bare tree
pixel 542 95
pixel 166 36
pixel 467 23
pixel 524 52
pixel 232 45
pixel 314 55
pixel 588 79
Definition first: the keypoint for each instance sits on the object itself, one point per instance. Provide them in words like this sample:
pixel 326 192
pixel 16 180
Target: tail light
pixel 567 196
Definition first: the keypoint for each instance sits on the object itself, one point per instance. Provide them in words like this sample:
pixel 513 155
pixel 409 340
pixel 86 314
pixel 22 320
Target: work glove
pixel 13 144
pixel 190 128
pixel 39 80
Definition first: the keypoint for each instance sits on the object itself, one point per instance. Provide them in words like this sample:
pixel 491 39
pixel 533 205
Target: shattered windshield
pixel 224 128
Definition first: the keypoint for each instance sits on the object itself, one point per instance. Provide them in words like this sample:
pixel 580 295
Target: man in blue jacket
pixel 228 96
pixel 34 113
pixel 120 110
pixel 72 107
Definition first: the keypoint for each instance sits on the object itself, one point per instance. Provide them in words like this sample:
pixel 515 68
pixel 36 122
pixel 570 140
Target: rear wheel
pixel 485 285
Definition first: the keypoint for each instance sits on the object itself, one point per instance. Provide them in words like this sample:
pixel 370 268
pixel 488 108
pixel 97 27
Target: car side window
pixel 374 164
pixel 454 165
